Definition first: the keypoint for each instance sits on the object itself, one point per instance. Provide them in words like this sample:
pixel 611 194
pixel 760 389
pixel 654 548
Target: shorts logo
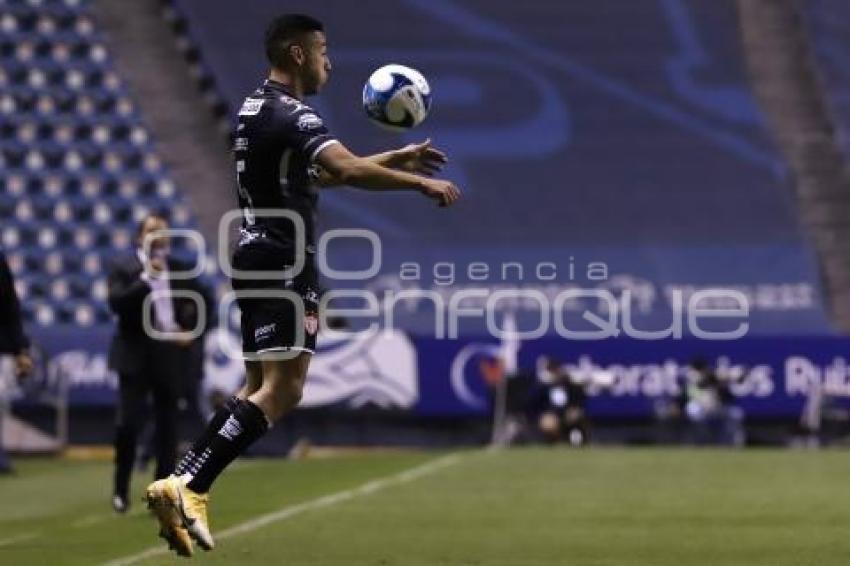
pixel 309 121
pixel 311 324
pixel 263 331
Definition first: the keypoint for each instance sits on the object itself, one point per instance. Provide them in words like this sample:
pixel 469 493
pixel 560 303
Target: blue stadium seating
pixel 79 167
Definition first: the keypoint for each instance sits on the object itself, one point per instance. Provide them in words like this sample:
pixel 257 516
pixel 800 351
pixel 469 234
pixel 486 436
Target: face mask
pixel 159 252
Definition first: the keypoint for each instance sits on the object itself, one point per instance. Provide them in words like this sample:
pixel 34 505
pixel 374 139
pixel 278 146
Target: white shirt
pixel 163 307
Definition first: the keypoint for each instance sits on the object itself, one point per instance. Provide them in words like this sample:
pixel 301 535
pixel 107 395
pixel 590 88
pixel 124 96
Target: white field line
pixel 290 511
pixel 18 538
pixel 90 520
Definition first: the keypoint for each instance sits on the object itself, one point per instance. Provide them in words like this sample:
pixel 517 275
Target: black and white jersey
pixel 277 140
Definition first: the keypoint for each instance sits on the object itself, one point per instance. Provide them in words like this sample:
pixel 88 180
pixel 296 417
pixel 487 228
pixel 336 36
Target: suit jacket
pixel 13 340
pixel 131 347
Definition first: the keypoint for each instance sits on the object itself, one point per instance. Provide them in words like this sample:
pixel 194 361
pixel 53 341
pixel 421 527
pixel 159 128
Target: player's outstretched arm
pixel 422 158
pixel 364 173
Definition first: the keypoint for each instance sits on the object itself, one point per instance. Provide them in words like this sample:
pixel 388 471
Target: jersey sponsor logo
pixel 251 106
pixel 309 121
pixel 311 324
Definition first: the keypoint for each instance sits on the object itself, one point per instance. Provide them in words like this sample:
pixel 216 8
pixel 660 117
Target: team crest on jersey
pixel 251 107
pixel 311 324
pixel 309 121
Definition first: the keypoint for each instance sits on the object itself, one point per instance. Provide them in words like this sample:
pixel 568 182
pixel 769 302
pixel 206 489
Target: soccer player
pixel 283 150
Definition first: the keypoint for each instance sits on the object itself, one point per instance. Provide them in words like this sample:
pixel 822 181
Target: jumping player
pixel 283 150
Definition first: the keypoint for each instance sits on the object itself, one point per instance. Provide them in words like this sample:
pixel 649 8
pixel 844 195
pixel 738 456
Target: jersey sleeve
pixel 307 132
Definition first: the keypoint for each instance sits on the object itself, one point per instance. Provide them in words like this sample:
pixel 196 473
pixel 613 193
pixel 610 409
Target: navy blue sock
pixel 214 424
pixel 245 425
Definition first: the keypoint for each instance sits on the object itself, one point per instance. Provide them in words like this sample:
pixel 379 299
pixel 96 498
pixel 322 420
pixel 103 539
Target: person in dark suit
pixel 149 363
pixel 13 340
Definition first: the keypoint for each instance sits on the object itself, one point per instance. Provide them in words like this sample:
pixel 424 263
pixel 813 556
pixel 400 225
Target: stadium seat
pixel 79 167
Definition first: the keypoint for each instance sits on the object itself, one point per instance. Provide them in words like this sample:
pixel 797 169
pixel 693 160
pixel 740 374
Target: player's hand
pixel 23 364
pixel 444 192
pixel 422 158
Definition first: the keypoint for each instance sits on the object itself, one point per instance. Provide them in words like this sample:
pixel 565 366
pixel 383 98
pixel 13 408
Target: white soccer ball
pixel 397 97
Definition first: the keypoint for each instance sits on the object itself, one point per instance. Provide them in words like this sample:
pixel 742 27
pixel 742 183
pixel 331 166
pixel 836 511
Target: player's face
pixel 317 66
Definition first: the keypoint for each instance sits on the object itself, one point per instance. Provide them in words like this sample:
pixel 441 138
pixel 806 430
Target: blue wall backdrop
pixel 622 133
pixel 440 378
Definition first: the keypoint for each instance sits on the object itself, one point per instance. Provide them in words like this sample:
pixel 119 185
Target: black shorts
pixel 277 325
pixel 283 318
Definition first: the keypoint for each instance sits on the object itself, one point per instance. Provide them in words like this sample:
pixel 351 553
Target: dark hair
pixel 283 30
pixel 158 214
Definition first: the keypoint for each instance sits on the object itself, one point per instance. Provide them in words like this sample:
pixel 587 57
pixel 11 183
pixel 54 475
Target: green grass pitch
pixel 517 507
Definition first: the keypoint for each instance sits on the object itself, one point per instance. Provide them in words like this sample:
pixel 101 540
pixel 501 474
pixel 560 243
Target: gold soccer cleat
pixel 193 511
pixel 163 498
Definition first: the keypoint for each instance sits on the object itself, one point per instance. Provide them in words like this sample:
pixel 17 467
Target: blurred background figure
pixel 149 367
pixel 710 407
pixel 669 412
pixel 13 341
pixel 824 419
pixel 811 418
pixel 562 404
pixel 512 393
